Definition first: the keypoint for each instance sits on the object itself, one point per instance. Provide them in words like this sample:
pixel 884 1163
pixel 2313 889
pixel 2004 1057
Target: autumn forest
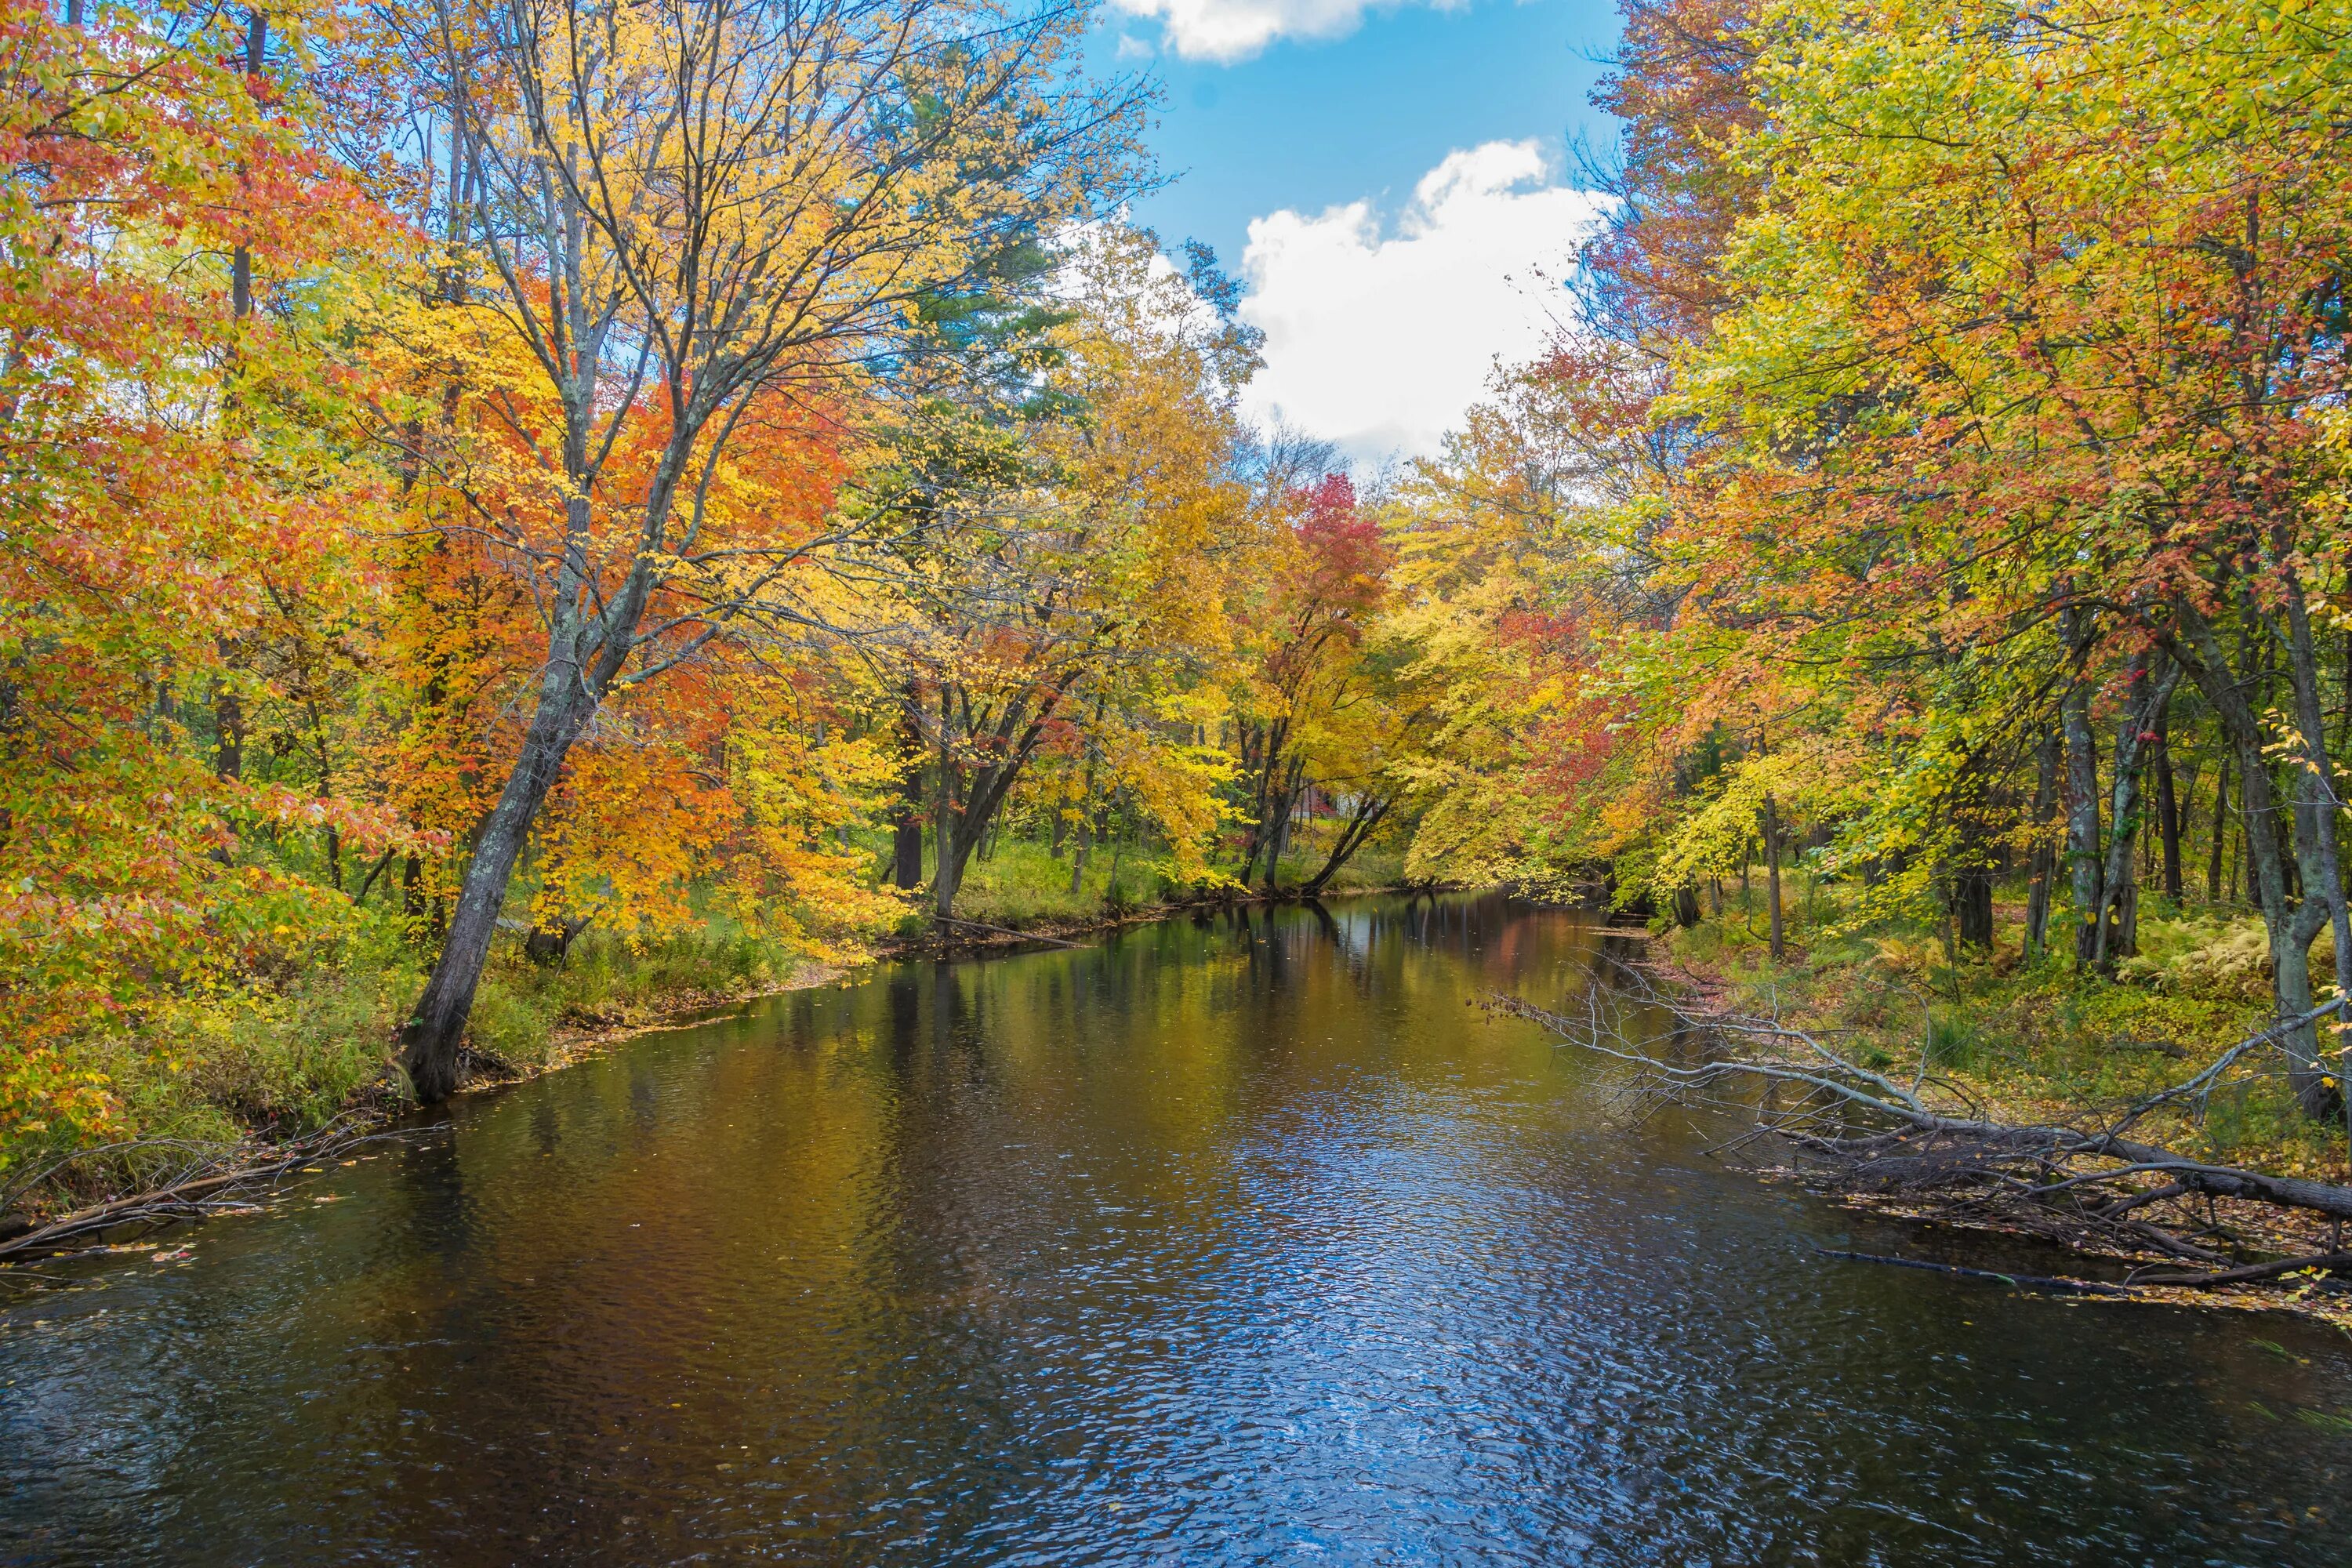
pixel 516 516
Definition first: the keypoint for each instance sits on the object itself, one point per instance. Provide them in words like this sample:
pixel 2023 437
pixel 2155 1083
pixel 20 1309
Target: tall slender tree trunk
pixel 2084 864
pixel 240 265
pixel 947 856
pixel 2220 830
pixel 2167 806
pixel 1772 873
pixel 2045 853
pixel 2115 924
pixel 906 823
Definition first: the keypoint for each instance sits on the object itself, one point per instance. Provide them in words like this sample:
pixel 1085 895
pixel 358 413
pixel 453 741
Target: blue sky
pixel 1408 173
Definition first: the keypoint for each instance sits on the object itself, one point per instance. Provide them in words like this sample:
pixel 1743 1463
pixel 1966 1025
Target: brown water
pixel 1231 1241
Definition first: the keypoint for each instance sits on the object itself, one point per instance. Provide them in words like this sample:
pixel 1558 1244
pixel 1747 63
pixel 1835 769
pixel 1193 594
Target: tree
pixel 1068 577
pixel 177 488
pixel 682 228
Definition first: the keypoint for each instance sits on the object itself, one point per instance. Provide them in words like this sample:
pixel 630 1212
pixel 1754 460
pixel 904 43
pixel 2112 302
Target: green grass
pixel 285 1058
pixel 606 979
pixel 2035 1041
pixel 288 1054
pixel 1021 884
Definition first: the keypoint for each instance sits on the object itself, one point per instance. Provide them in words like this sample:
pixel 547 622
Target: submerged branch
pixel 213 1178
pixel 1866 1132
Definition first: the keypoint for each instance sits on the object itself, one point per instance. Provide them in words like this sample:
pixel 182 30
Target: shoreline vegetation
pixel 2014 1044
pixel 2147 1124
pixel 478 577
pixel 532 1018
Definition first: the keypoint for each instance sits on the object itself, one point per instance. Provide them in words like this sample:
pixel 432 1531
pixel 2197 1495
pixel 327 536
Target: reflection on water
pixel 1236 1239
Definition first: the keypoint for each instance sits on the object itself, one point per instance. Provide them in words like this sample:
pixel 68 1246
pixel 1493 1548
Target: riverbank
pixel 1999 1042
pixel 259 1084
pixel 326 1047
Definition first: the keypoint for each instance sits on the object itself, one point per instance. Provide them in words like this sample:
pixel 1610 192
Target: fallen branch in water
pixel 2020 1281
pixel 212 1178
pixel 1866 1132
pixel 1007 931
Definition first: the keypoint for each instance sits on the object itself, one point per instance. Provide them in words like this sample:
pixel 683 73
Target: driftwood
pixel 205 1179
pixel 1007 931
pixel 2020 1281
pixel 2092 1186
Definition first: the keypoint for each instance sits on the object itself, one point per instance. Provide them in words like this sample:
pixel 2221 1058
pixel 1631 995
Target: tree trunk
pixel 1972 906
pixel 2084 864
pixel 1278 832
pixel 1360 822
pixel 2045 853
pixel 946 859
pixel 228 722
pixel 906 827
pixel 1772 873
pixel 2167 806
pixel 2316 805
pixel 2221 829
pixel 429 1042
pixel 240 266
pixel 907 847
pixel 2290 926
pixel 2114 923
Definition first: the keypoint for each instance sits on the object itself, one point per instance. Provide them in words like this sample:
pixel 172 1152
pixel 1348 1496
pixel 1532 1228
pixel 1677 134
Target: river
pixel 1236 1239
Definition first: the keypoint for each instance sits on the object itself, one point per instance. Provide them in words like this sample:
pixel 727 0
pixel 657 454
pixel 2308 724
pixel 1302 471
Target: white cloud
pixel 1132 47
pixel 1228 30
pixel 1380 343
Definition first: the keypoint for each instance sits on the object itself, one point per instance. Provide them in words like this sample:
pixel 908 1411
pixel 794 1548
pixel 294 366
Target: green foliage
pixel 2212 954
pixel 2033 1042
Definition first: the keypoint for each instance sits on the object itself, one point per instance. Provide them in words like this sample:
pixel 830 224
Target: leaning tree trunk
pixel 2316 808
pixel 430 1041
pixel 1351 838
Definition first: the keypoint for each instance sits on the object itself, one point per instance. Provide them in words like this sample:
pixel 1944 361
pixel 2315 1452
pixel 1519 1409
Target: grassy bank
pixel 281 1055
pixel 2029 1041
pixel 274 1060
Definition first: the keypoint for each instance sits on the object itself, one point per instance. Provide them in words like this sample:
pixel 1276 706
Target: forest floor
pixel 2036 1045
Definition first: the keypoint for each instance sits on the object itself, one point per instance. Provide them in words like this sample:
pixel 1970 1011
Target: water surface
pixel 1235 1240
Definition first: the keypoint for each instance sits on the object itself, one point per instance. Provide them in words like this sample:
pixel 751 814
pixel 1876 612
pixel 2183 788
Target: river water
pixel 1232 1240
